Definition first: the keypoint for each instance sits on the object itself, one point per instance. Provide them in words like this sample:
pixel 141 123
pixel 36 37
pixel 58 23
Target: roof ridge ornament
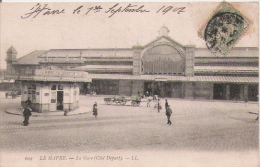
pixel 163 31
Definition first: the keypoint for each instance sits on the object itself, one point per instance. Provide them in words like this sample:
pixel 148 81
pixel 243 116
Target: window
pixel 60 87
pixel 53 87
pixel 32 93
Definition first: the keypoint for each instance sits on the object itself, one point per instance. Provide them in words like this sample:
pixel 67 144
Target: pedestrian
pixel 26 113
pixel 168 114
pixel 66 112
pixel 149 99
pixel 139 94
pixel 159 105
pixel 95 110
pixel 28 102
pixel 246 101
pixel 166 104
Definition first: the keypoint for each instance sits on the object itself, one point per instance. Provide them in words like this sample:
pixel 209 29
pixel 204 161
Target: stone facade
pixel 162 67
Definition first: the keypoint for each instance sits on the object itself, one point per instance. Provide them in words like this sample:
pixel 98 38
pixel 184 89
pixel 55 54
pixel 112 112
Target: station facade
pixel 162 67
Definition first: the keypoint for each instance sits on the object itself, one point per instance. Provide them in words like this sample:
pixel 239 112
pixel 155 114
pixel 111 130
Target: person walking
pixel 28 102
pixel 95 110
pixel 168 114
pixel 159 105
pixel 246 101
pixel 26 113
pixel 149 99
pixel 166 104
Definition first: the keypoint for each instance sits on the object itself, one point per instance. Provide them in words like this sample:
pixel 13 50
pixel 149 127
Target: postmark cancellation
pixel 223 29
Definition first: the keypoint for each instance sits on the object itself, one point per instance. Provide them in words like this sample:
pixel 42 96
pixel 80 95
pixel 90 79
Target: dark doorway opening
pixel 252 92
pixel 157 89
pixel 234 92
pixel 219 91
pixel 167 89
pixel 59 100
pixel 148 91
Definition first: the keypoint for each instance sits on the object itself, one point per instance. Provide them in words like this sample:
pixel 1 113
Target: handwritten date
pixel 111 11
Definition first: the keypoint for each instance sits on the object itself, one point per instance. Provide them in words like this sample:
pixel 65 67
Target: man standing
pixel 166 104
pixel 149 99
pixel 169 113
pixel 159 105
pixel 26 113
pixel 95 110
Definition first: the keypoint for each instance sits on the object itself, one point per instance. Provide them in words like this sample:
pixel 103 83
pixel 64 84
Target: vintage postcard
pixel 129 84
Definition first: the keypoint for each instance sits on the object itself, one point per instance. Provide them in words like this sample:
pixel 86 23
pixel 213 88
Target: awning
pixel 225 69
pixel 106 67
pixel 215 79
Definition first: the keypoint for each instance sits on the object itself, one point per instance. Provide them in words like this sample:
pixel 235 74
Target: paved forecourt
pixel 197 126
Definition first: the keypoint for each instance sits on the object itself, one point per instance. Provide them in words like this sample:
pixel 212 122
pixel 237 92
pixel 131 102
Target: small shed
pixel 52 90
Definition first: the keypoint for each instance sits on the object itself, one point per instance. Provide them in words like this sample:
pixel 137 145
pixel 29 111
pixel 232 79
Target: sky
pixel 99 30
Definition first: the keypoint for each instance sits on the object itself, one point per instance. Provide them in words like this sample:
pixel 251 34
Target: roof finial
pixel 164 31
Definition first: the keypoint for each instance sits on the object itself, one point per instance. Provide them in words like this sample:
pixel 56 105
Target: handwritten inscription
pixel 167 9
pixel 129 9
pixel 35 11
pixel 44 10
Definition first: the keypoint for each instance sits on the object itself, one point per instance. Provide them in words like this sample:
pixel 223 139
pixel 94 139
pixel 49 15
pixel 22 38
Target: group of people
pixel 168 110
pixel 27 110
pixel 159 107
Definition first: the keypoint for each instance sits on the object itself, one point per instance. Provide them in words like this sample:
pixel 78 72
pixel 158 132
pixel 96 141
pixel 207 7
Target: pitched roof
pixel 31 59
pixel 235 52
pixel 75 53
pixel 12 50
pixel 160 37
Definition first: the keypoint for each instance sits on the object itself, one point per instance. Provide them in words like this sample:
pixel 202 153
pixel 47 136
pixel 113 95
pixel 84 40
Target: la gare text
pixel 45 10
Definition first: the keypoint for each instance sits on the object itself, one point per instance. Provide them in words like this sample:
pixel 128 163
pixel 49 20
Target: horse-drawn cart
pixel 135 101
pixel 13 94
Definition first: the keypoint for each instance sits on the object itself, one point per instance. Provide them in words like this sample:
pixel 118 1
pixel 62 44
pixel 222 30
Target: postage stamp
pixel 223 29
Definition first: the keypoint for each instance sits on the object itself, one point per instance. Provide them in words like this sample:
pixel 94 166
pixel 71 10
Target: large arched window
pixel 162 59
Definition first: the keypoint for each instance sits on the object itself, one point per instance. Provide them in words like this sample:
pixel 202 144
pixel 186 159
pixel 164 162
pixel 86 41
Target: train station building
pixel 162 67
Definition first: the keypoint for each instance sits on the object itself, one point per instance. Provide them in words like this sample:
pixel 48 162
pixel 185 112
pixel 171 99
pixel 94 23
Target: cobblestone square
pixel 214 131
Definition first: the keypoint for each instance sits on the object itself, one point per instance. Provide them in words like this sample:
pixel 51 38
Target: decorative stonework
pixel 164 31
pixel 190 54
pixel 137 62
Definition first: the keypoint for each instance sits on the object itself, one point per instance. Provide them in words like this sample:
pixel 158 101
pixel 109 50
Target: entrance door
pixel 252 92
pixel 157 88
pixel 59 100
pixel 167 89
pixel 148 88
pixel 219 91
pixel 53 104
pixel 176 90
pixel 234 91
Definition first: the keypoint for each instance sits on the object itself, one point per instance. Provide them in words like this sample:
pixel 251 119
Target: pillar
pixel 227 92
pixel 137 61
pixel 189 60
pixel 241 92
pixel 245 92
pixel 189 90
pixel 211 91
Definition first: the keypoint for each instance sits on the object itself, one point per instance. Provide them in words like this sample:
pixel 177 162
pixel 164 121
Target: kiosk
pixel 52 90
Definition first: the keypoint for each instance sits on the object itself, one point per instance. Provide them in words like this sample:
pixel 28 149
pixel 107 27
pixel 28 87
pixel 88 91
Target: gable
pixel 164 41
